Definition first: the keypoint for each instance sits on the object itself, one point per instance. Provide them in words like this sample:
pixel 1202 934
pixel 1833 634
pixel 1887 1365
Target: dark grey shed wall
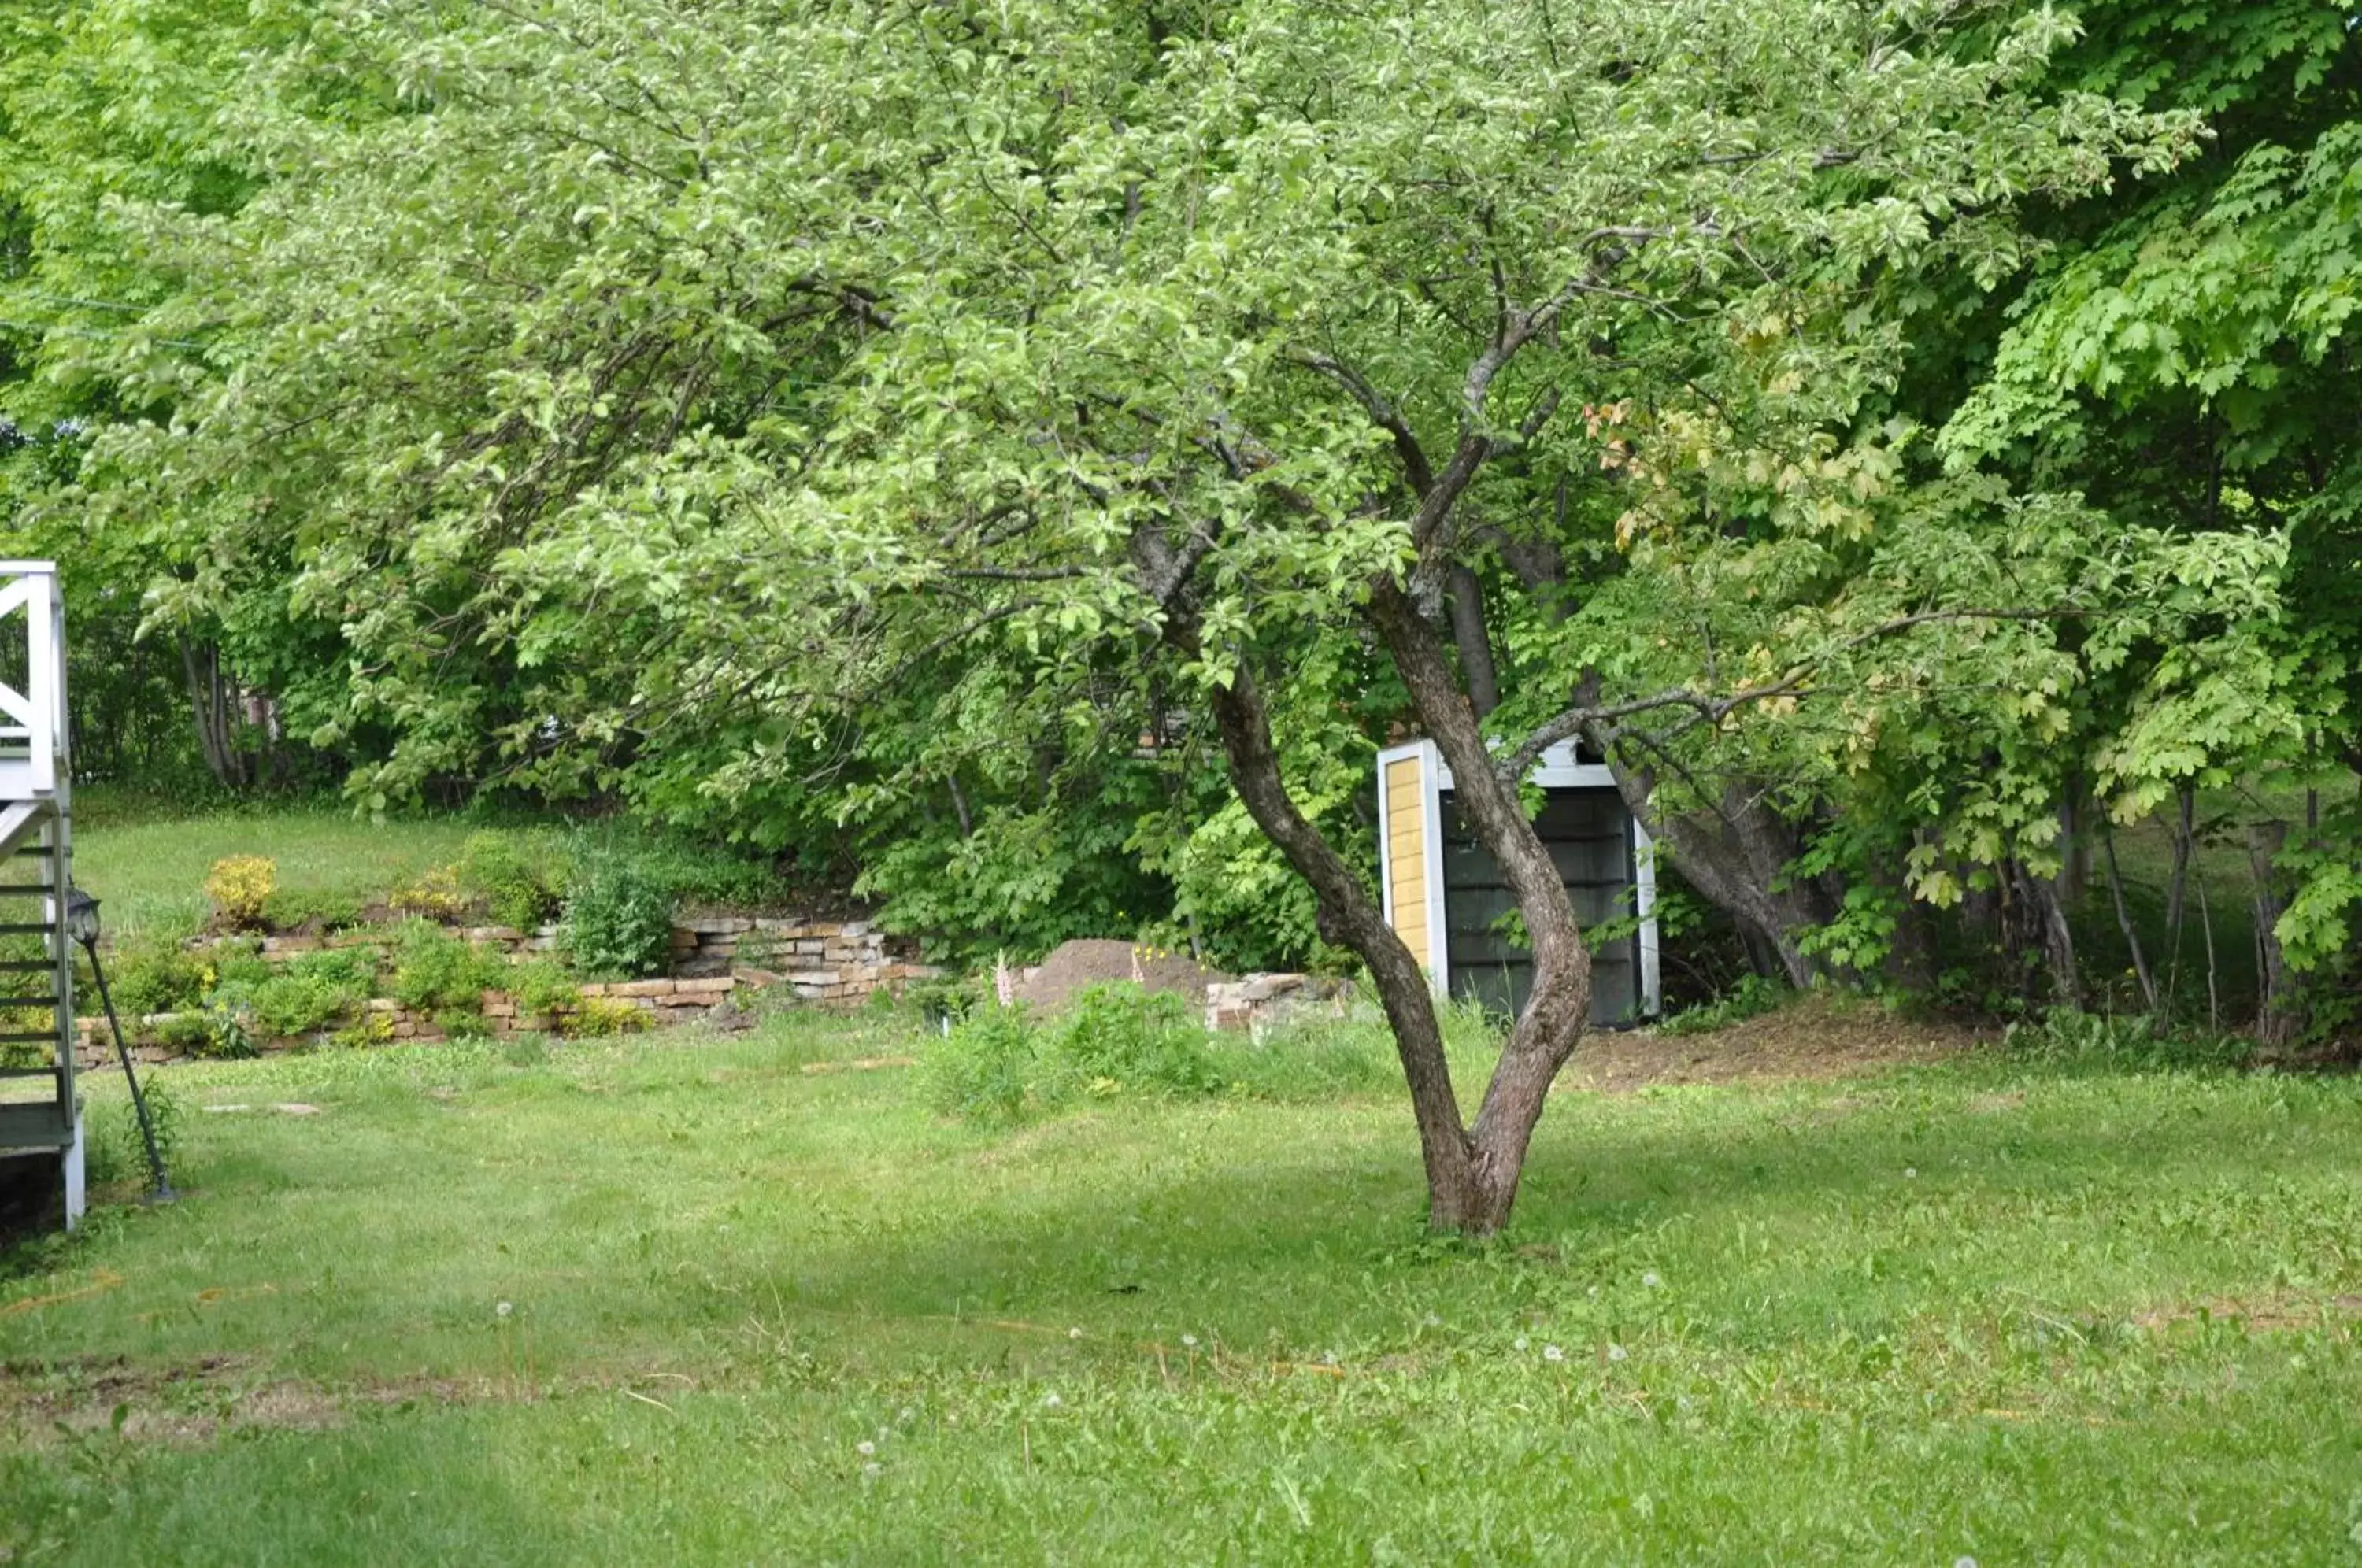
pixel 1589 832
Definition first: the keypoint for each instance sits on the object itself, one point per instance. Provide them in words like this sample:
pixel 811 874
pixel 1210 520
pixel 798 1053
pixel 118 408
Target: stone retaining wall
pixel 839 965
pixel 1259 1001
pixel 833 961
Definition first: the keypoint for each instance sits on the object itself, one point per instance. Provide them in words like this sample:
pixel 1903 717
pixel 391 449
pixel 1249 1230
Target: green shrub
pixel 1312 1059
pixel 984 1069
pixel 512 878
pixel 541 988
pixel 227 1030
pixel 186 1032
pixel 618 922
pixel 368 1029
pixel 1752 997
pixel 154 974
pixel 2065 1037
pixel 434 971
pixel 288 909
pixel 301 995
pixel 1119 1036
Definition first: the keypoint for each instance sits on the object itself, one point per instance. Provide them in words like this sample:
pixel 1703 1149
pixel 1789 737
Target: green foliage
pixel 325 909
pixel 299 995
pixel 541 987
pixel 1116 1037
pixel 983 1070
pixel 1751 998
pixel 602 1018
pixel 618 920
pixel 514 879
pixel 2091 1042
pixel 369 1029
pixel 192 1032
pixel 435 971
pixel 115 1150
pixel 154 973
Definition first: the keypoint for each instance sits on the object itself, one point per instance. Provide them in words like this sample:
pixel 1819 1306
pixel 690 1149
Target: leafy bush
pixel 188 1032
pixel 154 974
pixel 288 909
pixel 512 878
pixel 1117 1035
pixel 434 971
pixel 542 988
pixel 618 920
pixel 241 887
pixel 983 1070
pixel 226 1033
pixel 434 893
pixel 368 1029
pixel 596 1018
pixel 303 994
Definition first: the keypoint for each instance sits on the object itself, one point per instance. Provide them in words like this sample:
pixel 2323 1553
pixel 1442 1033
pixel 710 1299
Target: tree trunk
pixel 1734 857
pixel 1464 603
pixel 1559 1006
pixel 2279 1021
pixel 212 703
pixel 2185 844
pixel 2033 926
pixel 2125 921
pixel 1349 916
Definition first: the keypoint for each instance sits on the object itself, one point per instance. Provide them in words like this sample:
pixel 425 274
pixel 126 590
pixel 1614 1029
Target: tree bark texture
pixel 1735 855
pixel 2279 1020
pixel 213 701
pixel 1559 1006
pixel 1349 916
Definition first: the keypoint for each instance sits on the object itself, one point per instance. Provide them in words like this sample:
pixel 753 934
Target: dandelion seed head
pixel 1553 1354
pixel 1615 1352
pixel 1521 1342
pixel 502 1309
pixel 1190 1342
pixel 864 1448
pixel 1653 1279
pixel 1051 1401
pixel 1074 1333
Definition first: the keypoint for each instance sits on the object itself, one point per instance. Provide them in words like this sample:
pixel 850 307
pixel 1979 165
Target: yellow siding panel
pixel 1406 852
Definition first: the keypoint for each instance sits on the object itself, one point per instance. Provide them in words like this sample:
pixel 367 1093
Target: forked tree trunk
pixel 212 703
pixel 1473 1172
pixel 1559 1006
pixel 1349 916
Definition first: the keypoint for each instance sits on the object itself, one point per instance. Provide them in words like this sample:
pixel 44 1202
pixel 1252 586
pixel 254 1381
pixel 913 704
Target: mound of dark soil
pixel 1088 962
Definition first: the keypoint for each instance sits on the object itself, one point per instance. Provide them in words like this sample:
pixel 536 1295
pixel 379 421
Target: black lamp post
pixel 81 925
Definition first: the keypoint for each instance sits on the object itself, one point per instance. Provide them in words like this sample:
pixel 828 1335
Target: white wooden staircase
pixel 39 1111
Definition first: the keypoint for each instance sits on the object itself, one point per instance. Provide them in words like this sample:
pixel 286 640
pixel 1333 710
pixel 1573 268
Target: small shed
pixel 1445 896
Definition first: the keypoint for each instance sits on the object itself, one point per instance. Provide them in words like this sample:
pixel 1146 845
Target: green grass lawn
pixel 685 1300
pixel 148 866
